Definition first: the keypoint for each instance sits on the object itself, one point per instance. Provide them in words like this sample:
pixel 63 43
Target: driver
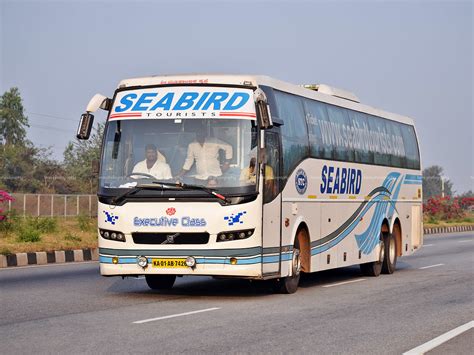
pixel 154 164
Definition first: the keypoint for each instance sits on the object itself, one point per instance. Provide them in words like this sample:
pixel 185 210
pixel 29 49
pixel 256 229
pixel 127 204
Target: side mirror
pixel 85 126
pixel 264 116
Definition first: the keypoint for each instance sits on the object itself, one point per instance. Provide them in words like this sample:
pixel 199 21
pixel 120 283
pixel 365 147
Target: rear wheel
pixel 160 282
pixel 375 268
pixel 390 260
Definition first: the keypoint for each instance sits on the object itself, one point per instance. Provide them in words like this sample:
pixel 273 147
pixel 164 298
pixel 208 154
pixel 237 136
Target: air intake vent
pixel 170 238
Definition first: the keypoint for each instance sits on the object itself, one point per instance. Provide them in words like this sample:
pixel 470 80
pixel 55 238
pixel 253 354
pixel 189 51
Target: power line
pixel 51 128
pixel 50 116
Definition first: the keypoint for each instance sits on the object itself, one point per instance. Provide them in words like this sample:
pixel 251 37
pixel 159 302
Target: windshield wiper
pixel 154 185
pixel 202 188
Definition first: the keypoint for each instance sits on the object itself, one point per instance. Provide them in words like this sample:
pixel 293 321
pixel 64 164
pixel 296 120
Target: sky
pixel 413 58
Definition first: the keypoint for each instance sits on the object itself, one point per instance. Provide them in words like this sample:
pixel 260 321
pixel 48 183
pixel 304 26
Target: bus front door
pixel 271 216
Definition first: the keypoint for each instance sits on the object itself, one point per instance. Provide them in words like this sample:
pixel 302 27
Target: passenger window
pixel 294 131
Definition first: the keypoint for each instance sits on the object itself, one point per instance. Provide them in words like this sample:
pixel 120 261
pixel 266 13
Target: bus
pixel 251 177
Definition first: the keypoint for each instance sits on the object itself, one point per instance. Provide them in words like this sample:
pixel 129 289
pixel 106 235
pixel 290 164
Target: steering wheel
pixel 141 174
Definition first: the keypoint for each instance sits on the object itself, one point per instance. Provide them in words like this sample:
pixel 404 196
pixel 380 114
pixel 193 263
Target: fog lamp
pixel 142 261
pixel 190 261
pixel 115 260
pixel 233 261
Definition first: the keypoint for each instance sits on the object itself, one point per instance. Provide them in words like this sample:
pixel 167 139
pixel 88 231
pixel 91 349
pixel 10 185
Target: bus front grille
pixel 170 238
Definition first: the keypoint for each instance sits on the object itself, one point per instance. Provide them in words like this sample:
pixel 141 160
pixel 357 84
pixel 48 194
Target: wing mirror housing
pixel 264 116
pixel 87 119
pixel 85 126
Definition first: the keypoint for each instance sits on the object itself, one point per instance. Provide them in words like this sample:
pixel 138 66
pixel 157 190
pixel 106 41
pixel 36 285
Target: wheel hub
pixel 296 262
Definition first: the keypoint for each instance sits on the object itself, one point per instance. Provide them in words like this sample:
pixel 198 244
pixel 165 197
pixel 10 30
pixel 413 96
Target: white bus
pixel 251 177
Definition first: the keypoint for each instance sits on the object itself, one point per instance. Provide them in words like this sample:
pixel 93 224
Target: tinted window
pixel 317 118
pixel 341 134
pixel 294 132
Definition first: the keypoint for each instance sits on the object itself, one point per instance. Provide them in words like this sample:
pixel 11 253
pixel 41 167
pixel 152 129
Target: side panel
pixel 345 227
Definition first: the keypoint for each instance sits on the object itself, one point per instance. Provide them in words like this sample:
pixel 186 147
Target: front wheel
pixel 375 268
pixel 160 282
pixel 289 284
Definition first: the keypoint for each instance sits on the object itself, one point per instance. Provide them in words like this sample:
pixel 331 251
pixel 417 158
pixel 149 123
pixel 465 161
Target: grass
pixel 24 235
pixel 432 222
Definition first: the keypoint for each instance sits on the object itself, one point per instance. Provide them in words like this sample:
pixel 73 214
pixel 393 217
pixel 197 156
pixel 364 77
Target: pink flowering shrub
pixel 4 197
pixel 444 208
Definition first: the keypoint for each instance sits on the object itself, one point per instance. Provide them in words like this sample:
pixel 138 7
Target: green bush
pixel 84 223
pixel 29 235
pixel 5 251
pixel 10 222
pixel 72 237
pixel 45 224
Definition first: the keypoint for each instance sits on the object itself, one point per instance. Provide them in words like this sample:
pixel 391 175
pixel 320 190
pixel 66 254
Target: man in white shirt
pixel 205 152
pixel 154 164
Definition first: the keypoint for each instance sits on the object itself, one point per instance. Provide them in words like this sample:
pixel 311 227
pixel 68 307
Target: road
pixel 70 308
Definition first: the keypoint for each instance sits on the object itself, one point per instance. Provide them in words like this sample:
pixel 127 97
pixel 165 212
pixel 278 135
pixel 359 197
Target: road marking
pixel 344 283
pixel 464 241
pixel 429 267
pixel 433 343
pixel 48 265
pixel 428 245
pixel 175 315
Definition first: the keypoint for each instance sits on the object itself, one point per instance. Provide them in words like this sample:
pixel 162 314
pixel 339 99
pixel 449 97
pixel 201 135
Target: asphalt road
pixel 71 308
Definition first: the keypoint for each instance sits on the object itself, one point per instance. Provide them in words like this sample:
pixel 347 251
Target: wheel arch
pixel 397 234
pixel 385 227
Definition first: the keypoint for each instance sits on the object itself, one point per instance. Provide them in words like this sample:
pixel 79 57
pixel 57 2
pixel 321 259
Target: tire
pixel 390 259
pixel 375 268
pixel 288 285
pixel 160 282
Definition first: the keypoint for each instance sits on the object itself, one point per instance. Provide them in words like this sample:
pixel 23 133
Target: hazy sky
pixel 412 58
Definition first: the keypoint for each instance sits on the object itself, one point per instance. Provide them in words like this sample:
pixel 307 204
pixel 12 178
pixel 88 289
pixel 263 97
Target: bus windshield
pixel 215 153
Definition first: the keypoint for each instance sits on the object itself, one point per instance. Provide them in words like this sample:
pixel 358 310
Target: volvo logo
pixel 170 238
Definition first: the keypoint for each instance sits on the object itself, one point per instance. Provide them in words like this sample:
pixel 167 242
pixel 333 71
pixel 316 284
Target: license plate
pixel 169 263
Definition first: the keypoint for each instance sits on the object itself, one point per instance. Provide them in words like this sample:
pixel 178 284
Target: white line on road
pixel 175 315
pixel 430 266
pixel 428 245
pixel 433 343
pixel 464 241
pixel 344 283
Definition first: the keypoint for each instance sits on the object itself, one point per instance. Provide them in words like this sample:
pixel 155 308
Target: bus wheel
pixel 390 260
pixel 375 268
pixel 290 284
pixel 160 282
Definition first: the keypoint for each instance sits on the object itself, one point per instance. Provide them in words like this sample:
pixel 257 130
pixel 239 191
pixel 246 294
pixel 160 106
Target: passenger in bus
pixel 154 164
pixel 204 151
pixel 249 175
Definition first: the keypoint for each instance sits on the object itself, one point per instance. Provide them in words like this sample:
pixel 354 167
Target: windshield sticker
pixel 184 102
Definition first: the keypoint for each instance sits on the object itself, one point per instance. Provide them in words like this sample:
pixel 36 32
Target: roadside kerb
pixel 450 229
pixel 52 257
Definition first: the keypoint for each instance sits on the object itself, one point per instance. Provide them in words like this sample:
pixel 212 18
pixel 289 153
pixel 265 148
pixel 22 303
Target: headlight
pixel 112 235
pixel 234 235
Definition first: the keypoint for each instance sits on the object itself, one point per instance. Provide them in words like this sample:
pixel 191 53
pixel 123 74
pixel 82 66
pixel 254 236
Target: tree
pixel 12 118
pixel 432 183
pixel 78 158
